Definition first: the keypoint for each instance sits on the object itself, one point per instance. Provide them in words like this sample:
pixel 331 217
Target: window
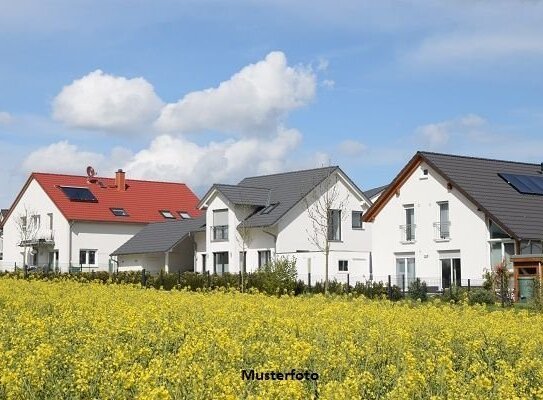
pixel 23 222
pixel 220 262
pixel 119 212
pixel 87 257
pixel 50 216
pixel 167 214
pixel 451 273
pixel 530 247
pixel 334 225
pixel 184 214
pixel 405 271
pixel 204 258
pixel 442 227
pixel 425 172
pixel 220 225
pixel 357 219
pixel 408 230
pixel 78 194
pixel 35 221
pixel 502 250
pixel 243 261
pixel 264 257
pixel 343 266
pixel 269 208
pixel 496 232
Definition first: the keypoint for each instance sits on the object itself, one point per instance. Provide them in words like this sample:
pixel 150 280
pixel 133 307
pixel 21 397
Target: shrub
pixel 418 290
pixel 454 294
pixel 278 276
pixel 370 289
pixel 481 296
pixel 395 293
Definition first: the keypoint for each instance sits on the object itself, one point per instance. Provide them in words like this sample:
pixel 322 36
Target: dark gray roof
pixel 521 215
pixel 286 189
pixel 246 195
pixel 160 236
pixel 375 191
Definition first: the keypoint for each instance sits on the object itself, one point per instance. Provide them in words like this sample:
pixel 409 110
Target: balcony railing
pixel 43 236
pixel 219 233
pixel 442 230
pixel 407 233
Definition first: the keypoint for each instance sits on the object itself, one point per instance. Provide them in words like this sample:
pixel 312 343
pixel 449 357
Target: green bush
pixel 276 277
pixel 454 294
pixel 418 290
pixel 396 293
pixel 481 296
pixel 370 289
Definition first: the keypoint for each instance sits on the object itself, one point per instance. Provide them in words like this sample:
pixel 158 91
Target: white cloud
pixel 468 48
pixel 5 118
pixel 63 157
pixel 176 158
pixel 253 102
pixel 328 84
pixel 106 102
pixel 352 148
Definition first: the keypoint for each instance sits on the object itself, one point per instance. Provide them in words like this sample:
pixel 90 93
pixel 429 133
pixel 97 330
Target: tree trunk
pixel 327 252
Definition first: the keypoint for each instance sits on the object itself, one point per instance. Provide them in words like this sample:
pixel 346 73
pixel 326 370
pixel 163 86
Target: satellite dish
pixel 90 172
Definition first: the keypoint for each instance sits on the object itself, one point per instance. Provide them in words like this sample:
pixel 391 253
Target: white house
pixel 447 219
pixel 263 217
pixel 63 221
pixel 3 213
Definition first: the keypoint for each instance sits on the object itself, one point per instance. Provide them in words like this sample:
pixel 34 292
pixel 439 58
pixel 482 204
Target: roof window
pixel 167 214
pixel 184 215
pixel 119 212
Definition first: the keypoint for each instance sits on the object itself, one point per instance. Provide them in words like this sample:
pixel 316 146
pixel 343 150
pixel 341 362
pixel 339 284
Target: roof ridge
pixel 477 158
pixel 110 178
pixel 240 186
pixel 291 172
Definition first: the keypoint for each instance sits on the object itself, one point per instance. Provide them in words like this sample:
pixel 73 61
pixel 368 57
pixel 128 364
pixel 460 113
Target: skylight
pixel 184 215
pixel 525 184
pixel 119 212
pixel 78 194
pixel 167 214
pixel 269 208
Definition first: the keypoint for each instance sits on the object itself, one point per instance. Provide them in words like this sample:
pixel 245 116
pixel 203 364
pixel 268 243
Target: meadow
pixel 71 340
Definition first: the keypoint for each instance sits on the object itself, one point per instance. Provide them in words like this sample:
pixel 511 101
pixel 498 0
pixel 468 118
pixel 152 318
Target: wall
pixel 295 229
pixel 468 229
pixel 102 236
pixel 36 200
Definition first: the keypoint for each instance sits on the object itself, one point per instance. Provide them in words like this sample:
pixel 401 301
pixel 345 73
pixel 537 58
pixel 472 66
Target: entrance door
pixel 53 260
pixel 525 288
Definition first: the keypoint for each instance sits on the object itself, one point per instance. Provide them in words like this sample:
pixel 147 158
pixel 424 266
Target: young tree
pixel 326 209
pixel 243 235
pixel 28 226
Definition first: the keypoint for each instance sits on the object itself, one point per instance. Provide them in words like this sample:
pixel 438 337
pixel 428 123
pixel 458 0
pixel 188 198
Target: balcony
pixel 219 233
pixel 42 237
pixel 407 233
pixel 442 231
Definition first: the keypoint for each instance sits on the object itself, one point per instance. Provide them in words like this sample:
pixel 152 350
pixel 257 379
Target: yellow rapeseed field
pixel 93 341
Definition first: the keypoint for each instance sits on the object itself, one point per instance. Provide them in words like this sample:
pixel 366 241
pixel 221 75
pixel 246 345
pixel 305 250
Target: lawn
pixel 66 339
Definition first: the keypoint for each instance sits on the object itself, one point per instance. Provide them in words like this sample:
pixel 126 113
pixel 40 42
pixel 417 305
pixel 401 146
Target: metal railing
pixel 407 233
pixel 442 230
pixel 219 233
pixel 45 236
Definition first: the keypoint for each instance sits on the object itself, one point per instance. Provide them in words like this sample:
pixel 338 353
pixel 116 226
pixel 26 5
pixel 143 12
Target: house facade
pixel 446 219
pixel 245 226
pixel 66 221
pixel 3 213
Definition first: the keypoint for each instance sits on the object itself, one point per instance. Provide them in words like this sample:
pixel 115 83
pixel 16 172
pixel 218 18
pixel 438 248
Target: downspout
pixel 274 242
pixel 69 245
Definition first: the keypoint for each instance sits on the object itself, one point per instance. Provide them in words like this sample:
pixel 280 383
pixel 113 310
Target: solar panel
pixel 78 194
pixel 525 184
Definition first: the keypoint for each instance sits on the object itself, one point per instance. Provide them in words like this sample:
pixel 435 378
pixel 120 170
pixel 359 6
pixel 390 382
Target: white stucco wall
pixel 36 201
pixel 468 230
pixel 293 240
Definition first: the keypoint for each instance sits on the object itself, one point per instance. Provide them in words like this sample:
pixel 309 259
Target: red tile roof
pixel 142 200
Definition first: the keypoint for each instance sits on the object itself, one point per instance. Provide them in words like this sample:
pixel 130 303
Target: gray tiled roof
pixel 372 192
pixel 238 194
pixel 160 236
pixel 519 214
pixel 286 189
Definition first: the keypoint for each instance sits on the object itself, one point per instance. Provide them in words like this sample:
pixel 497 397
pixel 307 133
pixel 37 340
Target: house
pixel 373 194
pixel 66 221
pixel 3 213
pixel 244 226
pixel 448 218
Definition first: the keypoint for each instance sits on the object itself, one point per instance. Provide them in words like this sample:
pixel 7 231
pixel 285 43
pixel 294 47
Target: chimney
pixel 120 180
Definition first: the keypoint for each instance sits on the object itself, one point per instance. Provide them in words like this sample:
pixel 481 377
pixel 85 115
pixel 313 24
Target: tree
pixel 244 234
pixel 326 209
pixel 28 225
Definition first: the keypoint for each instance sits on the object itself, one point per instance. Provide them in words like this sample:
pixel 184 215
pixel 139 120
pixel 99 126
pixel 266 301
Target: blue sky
pixel 211 91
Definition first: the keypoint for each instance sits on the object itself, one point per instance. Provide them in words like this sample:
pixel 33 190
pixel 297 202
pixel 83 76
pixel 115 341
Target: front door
pixel 53 259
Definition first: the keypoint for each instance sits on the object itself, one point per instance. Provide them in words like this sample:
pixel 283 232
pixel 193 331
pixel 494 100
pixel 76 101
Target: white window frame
pixel 346 263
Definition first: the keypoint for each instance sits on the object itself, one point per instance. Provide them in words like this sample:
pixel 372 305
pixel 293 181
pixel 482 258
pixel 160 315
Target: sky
pixel 209 91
